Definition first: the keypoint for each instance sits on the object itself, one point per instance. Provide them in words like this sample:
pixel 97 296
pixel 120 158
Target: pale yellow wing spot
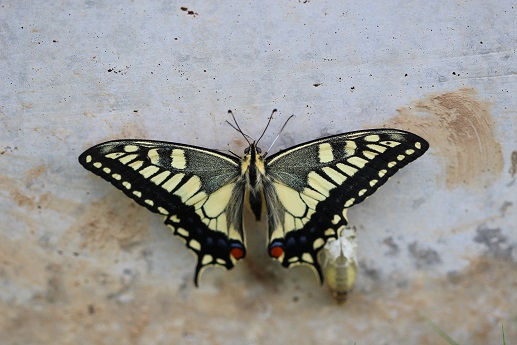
pixel 377 148
pixel 106 170
pixel 207 258
pixel 182 232
pixel 149 171
pixel 310 202
pixel 178 159
pixel 127 159
pixel 173 182
pixel 347 169
pixel 158 179
pixel 307 258
pixel 369 154
pixel 325 153
pixel 289 222
pixel 115 155
pixel 197 199
pixel 162 210
pixel 319 183
pixel 136 165
pixel 329 232
pixel 349 202
pixel 194 244
pixel 130 148
pixel 372 138
pixel 313 194
pixel 117 177
pixel 357 161
pixel 334 175
pixel 350 145
pixel 290 199
pixel 221 224
pixel 98 165
pixel 318 243
pixel 174 218
pixel 189 188
pixel 309 214
pixel 154 156
pixel 218 200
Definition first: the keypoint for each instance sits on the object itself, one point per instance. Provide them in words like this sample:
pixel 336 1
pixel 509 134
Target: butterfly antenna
pixel 237 127
pixel 268 122
pixel 233 153
pixel 281 129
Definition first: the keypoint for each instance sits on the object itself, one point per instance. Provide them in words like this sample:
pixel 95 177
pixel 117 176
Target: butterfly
pixel 304 191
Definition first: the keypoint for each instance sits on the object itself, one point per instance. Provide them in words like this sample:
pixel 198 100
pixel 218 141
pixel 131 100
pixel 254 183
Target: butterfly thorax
pixel 253 172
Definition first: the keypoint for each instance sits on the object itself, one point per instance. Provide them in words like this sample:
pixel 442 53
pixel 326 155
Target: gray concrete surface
pixel 82 264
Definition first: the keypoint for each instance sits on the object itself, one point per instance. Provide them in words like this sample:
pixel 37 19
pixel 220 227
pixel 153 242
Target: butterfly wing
pixel 309 187
pixel 197 190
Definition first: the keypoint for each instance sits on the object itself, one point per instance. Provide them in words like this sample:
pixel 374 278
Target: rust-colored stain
pixel 71 305
pixel 111 221
pixel 23 190
pixel 459 128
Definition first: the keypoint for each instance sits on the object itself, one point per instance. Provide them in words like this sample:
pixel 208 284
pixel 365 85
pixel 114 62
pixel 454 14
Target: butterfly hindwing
pixel 309 187
pixel 191 186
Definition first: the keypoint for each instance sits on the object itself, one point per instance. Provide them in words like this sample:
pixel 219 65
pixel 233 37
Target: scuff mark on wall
pixel 459 128
pixel 513 166
pixel 424 257
pixel 496 243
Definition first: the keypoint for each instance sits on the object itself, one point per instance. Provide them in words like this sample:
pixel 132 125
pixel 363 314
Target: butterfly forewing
pixel 191 186
pixel 311 186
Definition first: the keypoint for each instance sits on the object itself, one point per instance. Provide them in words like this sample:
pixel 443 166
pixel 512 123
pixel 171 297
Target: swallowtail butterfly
pixel 306 190
pixel 340 264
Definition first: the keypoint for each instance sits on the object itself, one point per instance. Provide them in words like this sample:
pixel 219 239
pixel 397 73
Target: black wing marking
pixel 191 186
pixel 311 186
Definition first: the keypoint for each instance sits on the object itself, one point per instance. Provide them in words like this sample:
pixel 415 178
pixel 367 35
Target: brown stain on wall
pixel 459 128
pixel 157 313
pixel 111 222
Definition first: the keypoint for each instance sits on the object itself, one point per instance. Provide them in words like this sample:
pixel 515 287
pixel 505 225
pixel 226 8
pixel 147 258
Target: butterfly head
pixel 253 150
pixel 253 162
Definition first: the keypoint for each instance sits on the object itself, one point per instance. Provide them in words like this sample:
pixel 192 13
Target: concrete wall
pixel 80 263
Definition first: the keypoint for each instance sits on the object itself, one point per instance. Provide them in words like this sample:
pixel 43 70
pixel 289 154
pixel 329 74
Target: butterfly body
pixel 304 191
